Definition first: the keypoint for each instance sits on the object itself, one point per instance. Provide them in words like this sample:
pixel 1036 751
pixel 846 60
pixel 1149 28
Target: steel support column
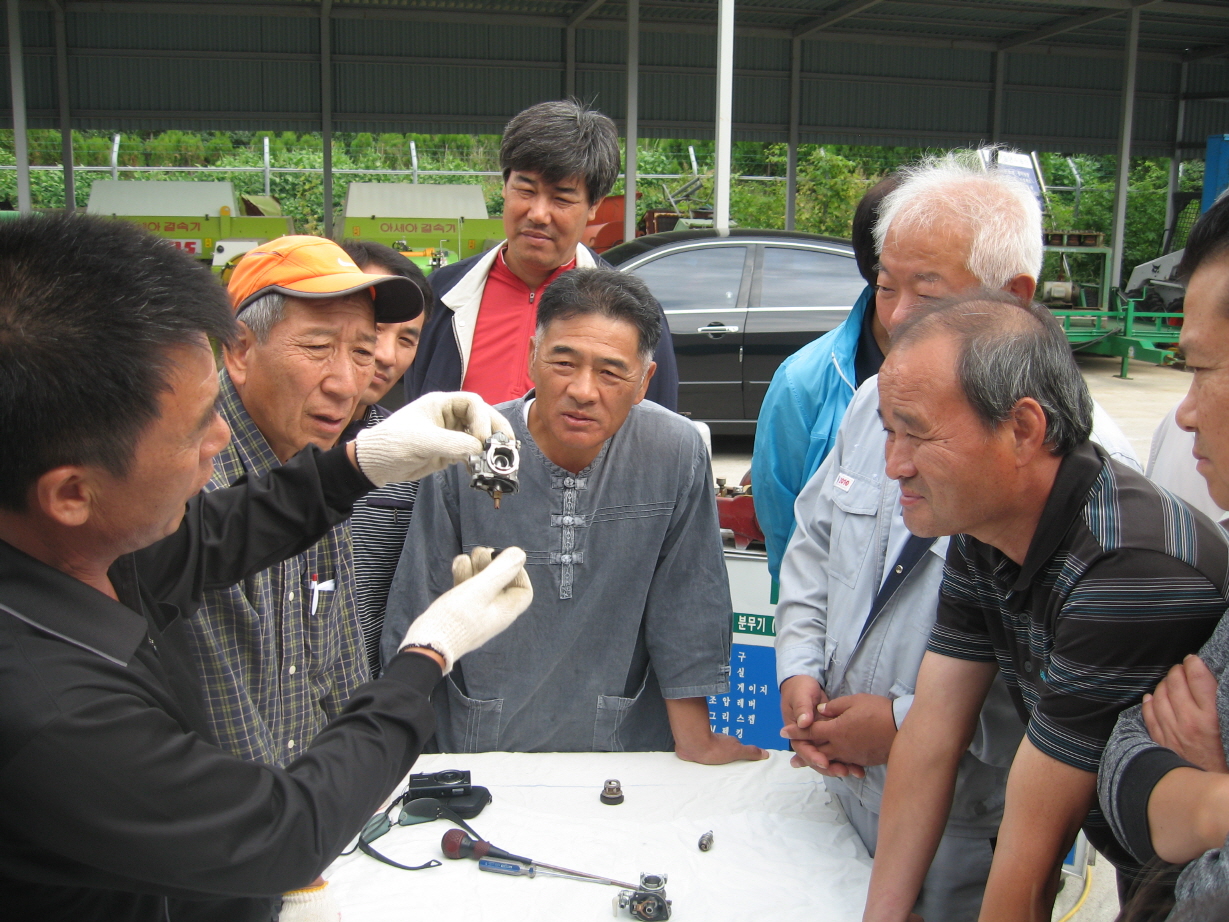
pixel 633 117
pixel 725 99
pixel 326 109
pixel 996 105
pixel 66 130
pixel 795 105
pixel 17 81
pixel 1124 145
pixel 569 61
pixel 1175 159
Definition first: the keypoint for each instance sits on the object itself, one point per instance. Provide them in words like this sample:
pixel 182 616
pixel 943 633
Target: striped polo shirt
pixel 1122 580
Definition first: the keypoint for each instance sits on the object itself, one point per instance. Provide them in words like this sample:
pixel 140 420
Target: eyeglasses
pixel 413 812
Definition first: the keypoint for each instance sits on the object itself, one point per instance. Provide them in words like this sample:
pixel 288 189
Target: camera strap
pixel 366 849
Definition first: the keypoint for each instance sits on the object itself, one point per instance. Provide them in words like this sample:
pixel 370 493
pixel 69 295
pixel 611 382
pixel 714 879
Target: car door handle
pixel 717 328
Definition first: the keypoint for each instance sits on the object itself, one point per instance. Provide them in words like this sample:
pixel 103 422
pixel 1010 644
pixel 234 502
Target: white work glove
pixel 486 597
pixel 434 431
pixel 311 904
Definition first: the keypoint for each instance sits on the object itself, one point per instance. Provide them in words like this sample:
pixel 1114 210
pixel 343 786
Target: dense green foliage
pixel 831 178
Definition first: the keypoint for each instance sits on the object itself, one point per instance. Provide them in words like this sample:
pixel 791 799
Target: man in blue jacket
pixel 809 393
pixel 559 160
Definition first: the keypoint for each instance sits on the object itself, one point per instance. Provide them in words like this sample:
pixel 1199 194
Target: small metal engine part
pixel 612 792
pixel 648 903
pixel 706 841
pixel 496 469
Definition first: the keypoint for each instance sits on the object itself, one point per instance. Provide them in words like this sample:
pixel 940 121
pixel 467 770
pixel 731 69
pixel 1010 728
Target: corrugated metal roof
pixel 913 72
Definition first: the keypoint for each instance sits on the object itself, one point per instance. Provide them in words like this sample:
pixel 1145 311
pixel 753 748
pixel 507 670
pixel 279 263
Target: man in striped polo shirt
pixel 1069 573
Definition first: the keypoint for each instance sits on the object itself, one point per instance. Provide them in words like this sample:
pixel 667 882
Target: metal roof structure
pixel 1042 74
pixel 1065 75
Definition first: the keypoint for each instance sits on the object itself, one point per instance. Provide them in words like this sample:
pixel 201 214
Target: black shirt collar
pixel 1076 475
pixel 868 357
pixel 58 604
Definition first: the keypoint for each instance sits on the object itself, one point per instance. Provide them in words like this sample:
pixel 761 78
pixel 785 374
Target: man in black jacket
pixel 559 160
pixel 117 805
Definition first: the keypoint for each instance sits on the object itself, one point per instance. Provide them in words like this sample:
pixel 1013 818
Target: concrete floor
pixel 1137 404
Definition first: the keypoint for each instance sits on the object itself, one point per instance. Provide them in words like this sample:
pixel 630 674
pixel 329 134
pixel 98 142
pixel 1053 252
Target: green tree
pixel 829 189
pixel 218 146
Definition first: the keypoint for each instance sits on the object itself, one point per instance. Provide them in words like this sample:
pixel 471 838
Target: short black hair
pixel 563 138
pixel 863 233
pixel 612 294
pixel 89 308
pixel 1208 239
pixel 365 252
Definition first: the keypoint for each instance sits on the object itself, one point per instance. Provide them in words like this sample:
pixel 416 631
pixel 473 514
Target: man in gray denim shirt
pixel 629 631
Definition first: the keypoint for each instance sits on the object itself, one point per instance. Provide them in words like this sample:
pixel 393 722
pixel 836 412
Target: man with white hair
pixel 858 592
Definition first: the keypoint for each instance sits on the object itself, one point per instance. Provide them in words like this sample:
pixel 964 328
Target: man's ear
pixel 644 384
pixel 593 210
pixel 1028 422
pixel 65 494
pixel 533 355
pixel 237 357
pixel 1022 286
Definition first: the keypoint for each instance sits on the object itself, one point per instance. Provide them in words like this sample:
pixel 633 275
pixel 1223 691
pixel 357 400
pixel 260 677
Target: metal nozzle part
pixel 612 792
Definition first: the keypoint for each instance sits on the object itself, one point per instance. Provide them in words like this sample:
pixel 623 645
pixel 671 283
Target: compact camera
pixel 451 788
pixel 443 785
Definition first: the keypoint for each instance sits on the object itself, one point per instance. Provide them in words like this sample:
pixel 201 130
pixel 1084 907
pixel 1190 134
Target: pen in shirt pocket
pixel 318 587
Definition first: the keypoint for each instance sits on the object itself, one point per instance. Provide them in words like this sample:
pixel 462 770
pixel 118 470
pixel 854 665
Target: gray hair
pixel 561 139
pixel 263 314
pixel 1009 349
pixel 267 311
pixel 1001 214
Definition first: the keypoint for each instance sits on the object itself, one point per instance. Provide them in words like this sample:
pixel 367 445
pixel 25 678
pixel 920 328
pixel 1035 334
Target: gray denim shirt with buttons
pixel 631 601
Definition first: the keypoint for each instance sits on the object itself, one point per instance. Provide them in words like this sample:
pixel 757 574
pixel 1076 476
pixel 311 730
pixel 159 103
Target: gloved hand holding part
pixel 434 431
pixel 486 597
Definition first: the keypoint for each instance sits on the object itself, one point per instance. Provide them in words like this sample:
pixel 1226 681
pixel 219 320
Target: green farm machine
pixel 203 219
pixel 432 224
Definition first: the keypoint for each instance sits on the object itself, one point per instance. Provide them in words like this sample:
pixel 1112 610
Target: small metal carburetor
pixel 648 903
pixel 496 469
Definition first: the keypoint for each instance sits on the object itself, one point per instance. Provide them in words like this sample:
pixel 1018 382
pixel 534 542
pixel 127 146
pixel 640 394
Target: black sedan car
pixel 738 304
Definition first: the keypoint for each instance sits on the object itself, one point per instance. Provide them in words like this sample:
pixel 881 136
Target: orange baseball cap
pixel 313 267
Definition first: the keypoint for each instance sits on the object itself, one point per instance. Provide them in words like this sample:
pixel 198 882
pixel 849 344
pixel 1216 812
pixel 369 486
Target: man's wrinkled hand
pixel 854 730
pixel 800 696
pixel 719 749
pixel 808 755
pixel 1181 715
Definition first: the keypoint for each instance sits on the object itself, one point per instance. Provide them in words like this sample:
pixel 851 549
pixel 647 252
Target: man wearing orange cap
pixel 279 654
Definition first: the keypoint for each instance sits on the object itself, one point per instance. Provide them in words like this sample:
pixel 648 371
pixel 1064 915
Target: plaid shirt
pixel 273 671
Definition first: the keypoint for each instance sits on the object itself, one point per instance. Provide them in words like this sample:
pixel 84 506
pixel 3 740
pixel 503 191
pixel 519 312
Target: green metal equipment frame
pixel 1116 326
pixel 1124 331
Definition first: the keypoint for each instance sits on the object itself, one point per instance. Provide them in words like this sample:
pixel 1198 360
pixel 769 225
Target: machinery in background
pixel 433 225
pixel 204 219
pixel 1143 320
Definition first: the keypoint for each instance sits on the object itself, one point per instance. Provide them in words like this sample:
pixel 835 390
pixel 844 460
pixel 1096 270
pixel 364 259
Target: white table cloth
pixel 782 850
